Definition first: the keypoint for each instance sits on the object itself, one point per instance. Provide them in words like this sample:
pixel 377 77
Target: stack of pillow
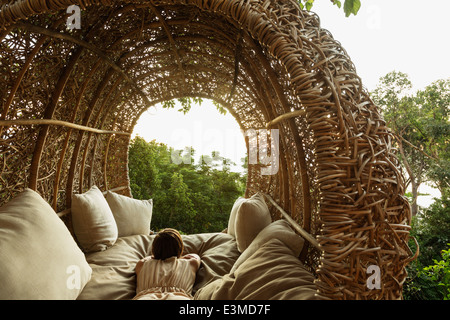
pixel 268 267
pixel 39 258
pixel 98 220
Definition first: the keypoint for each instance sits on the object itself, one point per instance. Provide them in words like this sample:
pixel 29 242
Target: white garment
pixel 170 279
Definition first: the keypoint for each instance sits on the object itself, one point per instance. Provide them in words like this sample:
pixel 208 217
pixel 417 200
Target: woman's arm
pixel 194 259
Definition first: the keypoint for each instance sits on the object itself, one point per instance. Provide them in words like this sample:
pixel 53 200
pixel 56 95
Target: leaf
pixel 351 6
pixel 305 4
pixel 337 3
pixel 356 6
pixel 168 104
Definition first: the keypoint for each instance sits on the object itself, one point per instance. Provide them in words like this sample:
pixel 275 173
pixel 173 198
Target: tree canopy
pixel 420 122
pixel 188 196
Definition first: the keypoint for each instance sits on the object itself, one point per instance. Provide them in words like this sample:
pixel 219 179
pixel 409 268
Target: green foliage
pixel 431 282
pixel 144 161
pixel 421 124
pixel 350 6
pixel 432 231
pixel 306 4
pixel 439 273
pixel 423 120
pixel 419 287
pixel 192 198
pixel 435 105
pixel 187 102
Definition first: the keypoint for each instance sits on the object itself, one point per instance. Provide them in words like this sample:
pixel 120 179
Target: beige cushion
pixel 39 259
pixel 270 273
pixel 132 216
pixel 252 216
pixel 280 230
pixel 231 221
pixel 93 221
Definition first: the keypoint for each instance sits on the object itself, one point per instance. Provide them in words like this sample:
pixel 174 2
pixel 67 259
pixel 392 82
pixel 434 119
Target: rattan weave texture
pixel 70 100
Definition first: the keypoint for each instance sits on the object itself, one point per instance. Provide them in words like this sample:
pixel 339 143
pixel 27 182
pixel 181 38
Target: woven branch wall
pixel 70 100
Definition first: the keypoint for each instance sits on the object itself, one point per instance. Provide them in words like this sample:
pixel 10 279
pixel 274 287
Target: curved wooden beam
pixel 87 45
pixel 81 91
pixel 172 42
pixel 48 114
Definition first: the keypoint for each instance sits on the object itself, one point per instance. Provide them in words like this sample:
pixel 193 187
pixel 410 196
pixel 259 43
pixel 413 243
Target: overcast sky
pixel 411 36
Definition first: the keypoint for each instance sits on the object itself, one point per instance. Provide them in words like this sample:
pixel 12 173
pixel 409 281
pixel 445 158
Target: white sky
pixel 411 36
pixel 203 128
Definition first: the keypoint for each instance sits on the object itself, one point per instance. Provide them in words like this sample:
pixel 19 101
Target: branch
pixel 405 161
pixel 399 137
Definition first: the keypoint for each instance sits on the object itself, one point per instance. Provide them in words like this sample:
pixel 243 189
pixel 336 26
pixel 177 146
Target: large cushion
pixel 93 221
pixel 231 230
pixel 132 216
pixel 39 259
pixel 271 273
pixel 252 216
pixel 280 230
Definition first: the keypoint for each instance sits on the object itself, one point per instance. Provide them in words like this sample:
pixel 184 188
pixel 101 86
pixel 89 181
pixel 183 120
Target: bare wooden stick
pixel 399 137
pixel 27 122
pixel 293 223
pixel 285 116
pixel 64 212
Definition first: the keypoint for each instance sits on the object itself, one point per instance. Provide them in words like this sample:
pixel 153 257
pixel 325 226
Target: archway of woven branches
pixel 70 100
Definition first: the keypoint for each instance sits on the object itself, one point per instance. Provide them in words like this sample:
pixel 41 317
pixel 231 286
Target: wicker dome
pixel 70 100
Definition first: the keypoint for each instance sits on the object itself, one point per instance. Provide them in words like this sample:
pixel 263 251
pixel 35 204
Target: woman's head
pixel 167 243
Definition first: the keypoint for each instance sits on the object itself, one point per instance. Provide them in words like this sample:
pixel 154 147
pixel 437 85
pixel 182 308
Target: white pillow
pixel 93 221
pixel 132 216
pixel 251 217
pixel 39 259
pixel 280 230
pixel 231 221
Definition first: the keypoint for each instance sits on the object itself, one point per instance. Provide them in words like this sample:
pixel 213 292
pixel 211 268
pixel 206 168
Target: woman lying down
pixel 166 275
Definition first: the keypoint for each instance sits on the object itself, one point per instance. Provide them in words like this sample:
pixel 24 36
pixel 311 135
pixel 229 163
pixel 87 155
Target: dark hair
pixel 167 243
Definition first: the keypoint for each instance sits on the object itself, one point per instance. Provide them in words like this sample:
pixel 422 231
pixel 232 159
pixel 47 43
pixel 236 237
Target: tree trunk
pixel 415 193
pixel 415 183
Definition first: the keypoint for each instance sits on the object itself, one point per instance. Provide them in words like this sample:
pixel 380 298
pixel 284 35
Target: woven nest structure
pixel 70 99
